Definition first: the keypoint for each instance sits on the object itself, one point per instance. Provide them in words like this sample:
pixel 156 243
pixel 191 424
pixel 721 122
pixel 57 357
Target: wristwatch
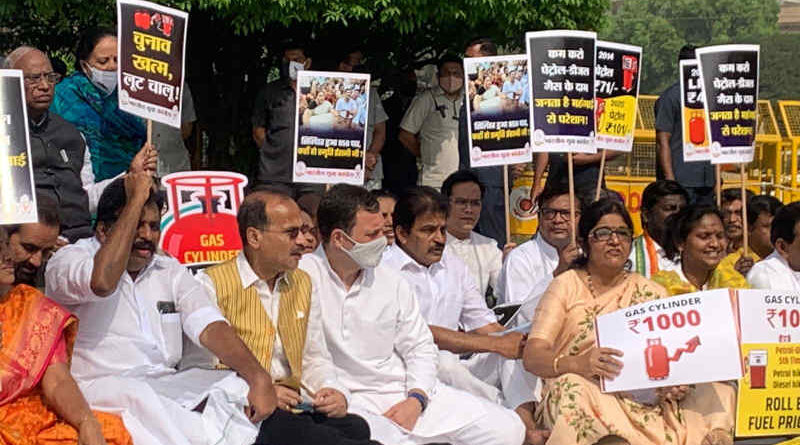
pixel 423 401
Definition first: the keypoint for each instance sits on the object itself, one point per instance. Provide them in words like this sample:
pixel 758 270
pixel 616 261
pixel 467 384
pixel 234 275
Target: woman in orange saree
pixel 40 403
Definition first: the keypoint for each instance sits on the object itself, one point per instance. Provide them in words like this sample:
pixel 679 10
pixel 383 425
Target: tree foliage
pixel 662 27
pixel 232 44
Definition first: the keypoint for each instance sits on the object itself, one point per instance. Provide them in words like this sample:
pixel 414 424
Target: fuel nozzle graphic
pixel 657 358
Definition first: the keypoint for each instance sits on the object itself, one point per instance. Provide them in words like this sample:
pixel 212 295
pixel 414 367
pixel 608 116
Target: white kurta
pixel 773 272
pixel 128 346
pixel 527 271
pixel 482 256
pixel 382 347
pixel 449 297
pixel 318 369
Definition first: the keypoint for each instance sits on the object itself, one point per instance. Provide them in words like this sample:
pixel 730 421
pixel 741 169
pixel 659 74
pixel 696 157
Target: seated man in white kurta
pixel 780 270
pixel 381 344
pixel 269 303
pixel 134 306
pixel 449 300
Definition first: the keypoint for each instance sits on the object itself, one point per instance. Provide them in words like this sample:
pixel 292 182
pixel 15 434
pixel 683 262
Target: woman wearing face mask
pixel 696 237
pixel 88 99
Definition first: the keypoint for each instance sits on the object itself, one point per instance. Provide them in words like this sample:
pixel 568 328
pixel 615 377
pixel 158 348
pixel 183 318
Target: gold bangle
pixel 555 363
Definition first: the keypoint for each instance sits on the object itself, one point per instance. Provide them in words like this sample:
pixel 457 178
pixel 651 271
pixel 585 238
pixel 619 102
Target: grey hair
pixel 14 56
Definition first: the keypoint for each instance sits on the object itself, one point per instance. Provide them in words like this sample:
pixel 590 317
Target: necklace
pixel 591 284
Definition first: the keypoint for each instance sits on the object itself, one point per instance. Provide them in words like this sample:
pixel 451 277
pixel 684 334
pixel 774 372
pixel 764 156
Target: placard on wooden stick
pixel 330 127
pixel 562 89
pixel 498 112
pixel 151 52
pixel 616 91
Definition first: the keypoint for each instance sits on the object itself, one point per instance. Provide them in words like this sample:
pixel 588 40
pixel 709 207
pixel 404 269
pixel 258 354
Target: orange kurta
pixel 35 334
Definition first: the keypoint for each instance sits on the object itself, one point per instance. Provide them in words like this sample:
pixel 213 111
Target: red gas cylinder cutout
pixel 697 129
pixel 211 234
pixel 656 359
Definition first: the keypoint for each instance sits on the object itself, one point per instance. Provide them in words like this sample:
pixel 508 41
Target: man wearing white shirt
pixel 781 269
pixel 135 305
pixel 480 253
pixel 381 344
pixel 450 300
pixel 660 200
pixel 270 304
pixel 530 268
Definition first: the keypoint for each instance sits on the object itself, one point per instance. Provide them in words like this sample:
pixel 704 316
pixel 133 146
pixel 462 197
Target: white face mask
pixel 366 254
pixel 451 84
pixel 294 67
pixel 105 80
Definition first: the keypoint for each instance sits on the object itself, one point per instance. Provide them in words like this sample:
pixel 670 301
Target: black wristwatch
pixel 423 401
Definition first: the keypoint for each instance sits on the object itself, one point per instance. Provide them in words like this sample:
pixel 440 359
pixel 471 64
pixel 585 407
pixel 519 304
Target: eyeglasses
pixel 51 78
pixel 603 234
pixel 463 203
pixel 292 232
pixel 550 214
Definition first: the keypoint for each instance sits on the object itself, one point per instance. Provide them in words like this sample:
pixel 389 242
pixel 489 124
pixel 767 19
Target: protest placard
pixel 152 42
pixel 561 66
pixel 498 110
pixel 616 91
pixel 681 340
pixel 330 127
pixel 17 190
pixel 768 401
pixel 729 74
pixel 696 144
pixel 200 226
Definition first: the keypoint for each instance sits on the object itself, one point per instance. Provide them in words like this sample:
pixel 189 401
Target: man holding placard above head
pixel 671 110
pixel 561 349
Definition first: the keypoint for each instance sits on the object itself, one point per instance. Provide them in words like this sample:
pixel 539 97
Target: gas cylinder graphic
pixel 697 128
pixel 630 66
pixel 200 226
pixel 656 359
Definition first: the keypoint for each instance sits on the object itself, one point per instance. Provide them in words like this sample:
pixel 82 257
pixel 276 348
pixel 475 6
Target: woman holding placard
pixel 561 349
pixel 696 237
pixel 88 99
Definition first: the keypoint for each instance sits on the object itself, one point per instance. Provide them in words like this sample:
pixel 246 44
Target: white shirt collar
pixel 248 276
pixel 546 248
pixel 452 239
pixel 404 260
pixel 366 275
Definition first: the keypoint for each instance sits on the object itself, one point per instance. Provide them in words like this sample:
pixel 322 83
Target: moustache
pixel 144 245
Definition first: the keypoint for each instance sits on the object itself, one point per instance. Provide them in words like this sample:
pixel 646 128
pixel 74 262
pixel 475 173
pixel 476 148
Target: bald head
pixel 39 78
